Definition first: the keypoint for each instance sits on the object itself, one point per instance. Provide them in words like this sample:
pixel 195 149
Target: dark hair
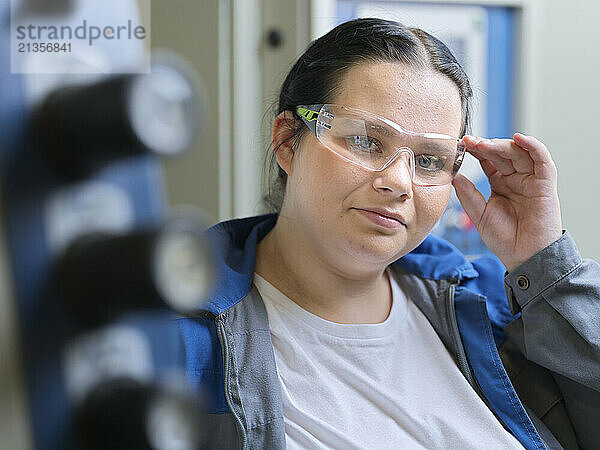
pixel 317 74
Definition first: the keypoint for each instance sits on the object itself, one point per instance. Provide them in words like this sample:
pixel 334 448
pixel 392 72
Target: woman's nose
pixel 396 178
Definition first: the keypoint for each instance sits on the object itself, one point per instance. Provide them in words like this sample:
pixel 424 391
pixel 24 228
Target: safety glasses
pixel 374 142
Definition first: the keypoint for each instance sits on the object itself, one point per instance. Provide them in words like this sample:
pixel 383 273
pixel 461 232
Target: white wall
pixel 566 104
pixel 201 32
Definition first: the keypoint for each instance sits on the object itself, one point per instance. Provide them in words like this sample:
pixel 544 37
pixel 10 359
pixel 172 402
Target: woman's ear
pixel 283 140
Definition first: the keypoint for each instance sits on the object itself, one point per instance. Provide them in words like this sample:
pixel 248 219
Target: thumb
pixel 470 198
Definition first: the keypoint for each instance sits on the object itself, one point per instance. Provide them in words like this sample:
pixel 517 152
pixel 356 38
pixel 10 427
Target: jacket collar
pixel 234 246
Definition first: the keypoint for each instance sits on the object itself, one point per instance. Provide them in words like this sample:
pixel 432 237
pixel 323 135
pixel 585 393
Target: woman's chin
pixel 378 249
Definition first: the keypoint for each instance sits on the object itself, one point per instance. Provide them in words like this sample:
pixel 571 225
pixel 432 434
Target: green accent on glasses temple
pixel 308 114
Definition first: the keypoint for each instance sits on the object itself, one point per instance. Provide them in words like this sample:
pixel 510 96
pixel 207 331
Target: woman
pixel 339 322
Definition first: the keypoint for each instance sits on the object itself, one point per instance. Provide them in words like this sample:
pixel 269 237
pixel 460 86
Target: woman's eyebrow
pixel 381 129
pixel 366 126
pixel 437 148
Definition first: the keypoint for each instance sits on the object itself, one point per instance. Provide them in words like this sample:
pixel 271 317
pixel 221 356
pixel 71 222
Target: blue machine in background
pixel 99 265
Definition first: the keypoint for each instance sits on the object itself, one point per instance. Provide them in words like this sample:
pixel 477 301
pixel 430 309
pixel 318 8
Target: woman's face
pixel 327 196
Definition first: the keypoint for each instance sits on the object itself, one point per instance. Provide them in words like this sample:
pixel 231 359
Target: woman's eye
pixel 429 162
pixel 363 144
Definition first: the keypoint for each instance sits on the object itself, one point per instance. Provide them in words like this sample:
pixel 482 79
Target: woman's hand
pixel 522 216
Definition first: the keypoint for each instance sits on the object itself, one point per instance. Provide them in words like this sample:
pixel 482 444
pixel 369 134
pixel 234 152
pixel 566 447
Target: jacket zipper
pixel 220 320
pixel 461 357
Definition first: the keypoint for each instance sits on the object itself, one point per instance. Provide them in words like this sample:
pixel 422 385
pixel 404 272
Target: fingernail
pixel 471 139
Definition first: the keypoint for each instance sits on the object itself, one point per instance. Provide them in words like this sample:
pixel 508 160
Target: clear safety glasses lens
pixel 374 143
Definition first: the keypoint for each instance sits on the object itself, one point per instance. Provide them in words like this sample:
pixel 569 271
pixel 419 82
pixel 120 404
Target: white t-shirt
pixel 373 386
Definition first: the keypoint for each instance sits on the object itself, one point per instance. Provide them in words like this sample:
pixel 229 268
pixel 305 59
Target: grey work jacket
pixel 551 353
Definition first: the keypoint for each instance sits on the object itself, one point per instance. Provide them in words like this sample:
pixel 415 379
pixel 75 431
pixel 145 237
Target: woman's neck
pixel 302 270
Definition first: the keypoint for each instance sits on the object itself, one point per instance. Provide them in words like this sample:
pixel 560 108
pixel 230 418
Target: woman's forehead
pixel 416 98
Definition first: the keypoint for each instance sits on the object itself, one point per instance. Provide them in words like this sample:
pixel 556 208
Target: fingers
pixel 539 153
pixel 537 150
pixel 484 151
pixel 470 198
pixel 500 184
pixel 506 156
pixel 487 167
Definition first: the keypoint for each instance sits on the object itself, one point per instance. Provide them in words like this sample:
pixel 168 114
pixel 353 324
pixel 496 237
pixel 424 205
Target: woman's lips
pixel 380 218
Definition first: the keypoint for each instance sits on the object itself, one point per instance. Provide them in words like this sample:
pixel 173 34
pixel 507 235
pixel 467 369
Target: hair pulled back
pixel 317 74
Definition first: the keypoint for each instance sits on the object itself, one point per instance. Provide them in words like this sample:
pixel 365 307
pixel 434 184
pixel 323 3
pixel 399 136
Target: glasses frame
pixel 310 116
